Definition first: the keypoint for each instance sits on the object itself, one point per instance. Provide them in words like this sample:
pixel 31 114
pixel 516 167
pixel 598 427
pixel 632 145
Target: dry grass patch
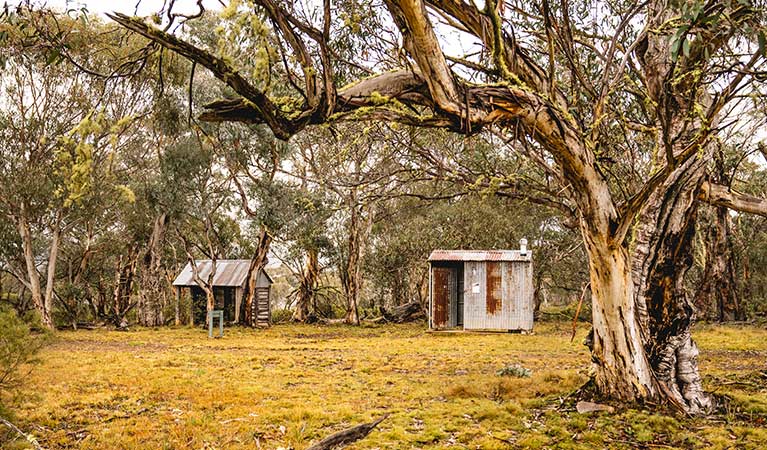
pixel 292 384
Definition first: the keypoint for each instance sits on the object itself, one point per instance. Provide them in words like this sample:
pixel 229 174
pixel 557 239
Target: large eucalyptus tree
pixel 617 101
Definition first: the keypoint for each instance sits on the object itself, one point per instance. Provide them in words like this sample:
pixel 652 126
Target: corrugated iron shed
pixel 480 255
pixel 229 272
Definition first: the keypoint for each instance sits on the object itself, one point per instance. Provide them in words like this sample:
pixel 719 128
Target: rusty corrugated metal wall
pixel 498 295
pixel 495 295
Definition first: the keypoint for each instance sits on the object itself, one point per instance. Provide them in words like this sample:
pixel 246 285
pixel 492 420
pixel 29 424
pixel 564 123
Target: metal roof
pixel 480 255
pixel 229 272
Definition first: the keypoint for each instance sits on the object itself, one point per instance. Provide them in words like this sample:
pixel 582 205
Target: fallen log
pixel 345 437
pixel 409 312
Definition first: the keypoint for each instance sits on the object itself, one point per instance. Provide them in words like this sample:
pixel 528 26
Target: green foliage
pixel 18 347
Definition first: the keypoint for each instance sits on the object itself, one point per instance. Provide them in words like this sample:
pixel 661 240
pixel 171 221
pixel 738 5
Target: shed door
pixel 261 309
pixel 443 295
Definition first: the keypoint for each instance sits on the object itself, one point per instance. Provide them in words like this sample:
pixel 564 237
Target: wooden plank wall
pixel 261 308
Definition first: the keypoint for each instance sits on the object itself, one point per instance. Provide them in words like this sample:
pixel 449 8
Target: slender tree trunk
pixel 123 287
pixel 53 256
pixel 358 228
pixel 351 288
pixel 717 297
pixel 176 305
pixel 35 288
pixel 257 263
pixel 308 286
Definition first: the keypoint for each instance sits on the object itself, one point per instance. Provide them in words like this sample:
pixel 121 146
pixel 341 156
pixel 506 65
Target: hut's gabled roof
pixel 480 255
pixel 229 272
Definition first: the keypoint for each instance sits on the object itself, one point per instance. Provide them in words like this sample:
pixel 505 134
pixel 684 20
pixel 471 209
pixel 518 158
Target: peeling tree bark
pixel 662 255
pixel 307 287
pixel 151 309
pixel 717 296
pixel 621 369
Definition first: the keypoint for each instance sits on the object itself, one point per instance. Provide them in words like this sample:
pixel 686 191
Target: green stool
pixel 216 314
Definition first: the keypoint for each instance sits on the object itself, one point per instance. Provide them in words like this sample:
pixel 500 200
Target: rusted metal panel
pixel 525 298
pixel 474 289
pixel 480 255
pixel 518 296
pixel 229 272
pixel 494 293
pixel 441 294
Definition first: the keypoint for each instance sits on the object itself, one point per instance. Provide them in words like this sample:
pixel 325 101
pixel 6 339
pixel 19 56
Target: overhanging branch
pixel 258 100
pixel 719 195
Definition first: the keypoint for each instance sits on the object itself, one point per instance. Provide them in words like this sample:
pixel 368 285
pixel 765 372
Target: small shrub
pixel 281 315
pixel 18 346
pixel 514 370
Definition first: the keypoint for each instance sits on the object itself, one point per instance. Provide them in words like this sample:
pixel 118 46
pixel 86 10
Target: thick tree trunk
pixel 150 311
pixel 662 254
pixel 622 370
pixel 717 296
pixel 307 287
pixel 257 263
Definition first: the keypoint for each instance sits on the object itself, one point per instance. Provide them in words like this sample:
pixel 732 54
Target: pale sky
pixel 145 7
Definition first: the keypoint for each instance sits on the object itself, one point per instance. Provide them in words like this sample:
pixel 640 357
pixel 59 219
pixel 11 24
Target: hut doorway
pixel 447 295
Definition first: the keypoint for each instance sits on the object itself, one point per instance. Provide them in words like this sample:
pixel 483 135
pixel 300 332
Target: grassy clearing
pixel 290 385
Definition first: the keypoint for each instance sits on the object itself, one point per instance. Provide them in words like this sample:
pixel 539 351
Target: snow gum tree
pixel 621 101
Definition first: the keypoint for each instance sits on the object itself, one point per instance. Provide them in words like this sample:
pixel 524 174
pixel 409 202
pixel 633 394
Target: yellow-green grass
pixel 291 385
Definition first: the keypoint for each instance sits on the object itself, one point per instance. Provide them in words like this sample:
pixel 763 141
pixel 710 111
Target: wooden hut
pixel 481 290
pixel 229 284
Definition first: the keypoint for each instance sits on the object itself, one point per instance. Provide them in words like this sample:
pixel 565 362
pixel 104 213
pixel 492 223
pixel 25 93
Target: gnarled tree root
pixel 347 436
pixel 28 437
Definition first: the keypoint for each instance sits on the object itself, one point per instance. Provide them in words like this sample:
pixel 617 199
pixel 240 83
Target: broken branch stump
pixel 347 436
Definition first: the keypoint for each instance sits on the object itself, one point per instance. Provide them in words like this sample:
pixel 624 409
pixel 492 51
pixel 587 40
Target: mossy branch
pixel 222 70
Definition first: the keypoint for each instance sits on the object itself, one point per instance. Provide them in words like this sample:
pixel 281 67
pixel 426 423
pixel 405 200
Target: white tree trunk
pixel 29 259
pixel 622 370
